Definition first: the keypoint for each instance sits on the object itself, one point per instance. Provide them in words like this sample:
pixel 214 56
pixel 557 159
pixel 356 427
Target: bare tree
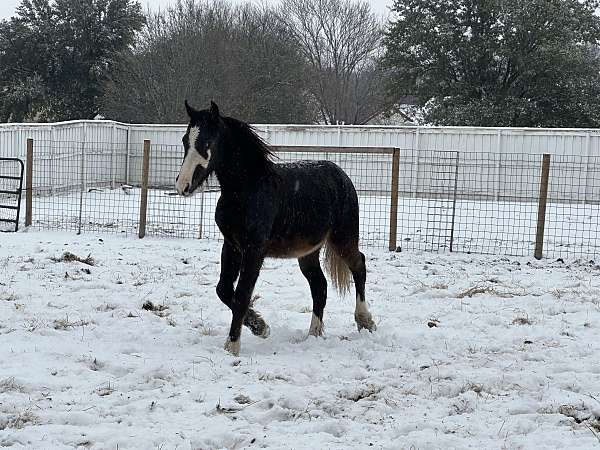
pixel 240 56
pixel 341 41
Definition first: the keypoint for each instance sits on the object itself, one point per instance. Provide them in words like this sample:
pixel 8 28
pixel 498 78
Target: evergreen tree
pixel 498 62
pixel 56 55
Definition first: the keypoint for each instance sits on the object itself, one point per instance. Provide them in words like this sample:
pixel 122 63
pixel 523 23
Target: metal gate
pixel 427 208
pixel 441 205
pixel 11 187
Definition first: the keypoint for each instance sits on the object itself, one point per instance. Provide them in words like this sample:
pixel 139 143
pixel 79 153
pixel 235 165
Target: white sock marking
pixel 316 326
pixel 233 347
pixel 361 307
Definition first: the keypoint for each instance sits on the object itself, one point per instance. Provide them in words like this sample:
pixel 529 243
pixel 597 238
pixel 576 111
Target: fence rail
pixel 434 200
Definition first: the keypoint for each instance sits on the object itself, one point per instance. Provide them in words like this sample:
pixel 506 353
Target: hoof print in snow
pixel 367 392
pixel 242 399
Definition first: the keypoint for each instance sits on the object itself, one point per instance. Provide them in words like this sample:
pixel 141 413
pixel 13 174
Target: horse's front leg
pixel 231 260
pixel 251 262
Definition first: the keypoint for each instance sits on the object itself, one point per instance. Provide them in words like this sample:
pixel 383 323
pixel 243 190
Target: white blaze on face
pixel 191 161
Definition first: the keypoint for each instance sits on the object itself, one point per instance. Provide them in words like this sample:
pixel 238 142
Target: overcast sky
pixel 7 7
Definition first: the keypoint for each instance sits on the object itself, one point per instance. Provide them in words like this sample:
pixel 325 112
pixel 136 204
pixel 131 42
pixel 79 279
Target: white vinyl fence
pixel 579 142
pixel 117 152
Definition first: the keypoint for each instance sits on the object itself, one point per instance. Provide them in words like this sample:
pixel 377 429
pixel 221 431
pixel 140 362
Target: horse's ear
pixel 190 111
pixel 214 110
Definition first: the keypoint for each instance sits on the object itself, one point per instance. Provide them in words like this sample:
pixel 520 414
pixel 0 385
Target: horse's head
pixel 199 143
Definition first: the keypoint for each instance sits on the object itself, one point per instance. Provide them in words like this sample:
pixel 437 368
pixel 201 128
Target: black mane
pixel 245 137
pixel 243 157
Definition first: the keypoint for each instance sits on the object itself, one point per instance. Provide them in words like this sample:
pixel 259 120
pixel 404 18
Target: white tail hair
pixel 338 270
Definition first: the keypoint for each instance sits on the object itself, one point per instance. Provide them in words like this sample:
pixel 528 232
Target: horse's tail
pixel 338 270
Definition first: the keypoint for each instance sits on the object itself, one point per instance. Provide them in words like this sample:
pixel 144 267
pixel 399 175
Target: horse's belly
pixel 295 248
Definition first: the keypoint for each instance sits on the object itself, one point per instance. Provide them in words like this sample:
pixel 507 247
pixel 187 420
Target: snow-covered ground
pixel 470 352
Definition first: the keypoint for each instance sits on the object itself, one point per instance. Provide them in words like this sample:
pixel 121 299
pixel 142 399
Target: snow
pixel 470 352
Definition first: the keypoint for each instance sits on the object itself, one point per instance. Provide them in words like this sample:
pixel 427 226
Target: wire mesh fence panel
pixel 81 187
pixel 170 214
pixel 427 192
pixel 442 171
pixel 447 201
pixel 469 202
pixel 57 185
pixel 109 203
pixel 496 207
pixel 573 211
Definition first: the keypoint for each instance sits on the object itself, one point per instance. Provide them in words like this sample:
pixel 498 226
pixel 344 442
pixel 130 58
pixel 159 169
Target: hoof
pixel 232 347
pixel 316 333
pixel 316 327
pixel 257 324
pixel 365 322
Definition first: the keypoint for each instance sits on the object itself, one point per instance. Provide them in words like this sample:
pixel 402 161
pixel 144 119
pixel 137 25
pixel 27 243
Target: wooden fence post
pixel 543 199
pixel 394 200
pixel 144 193
pixel 454 194
pixel 82 178
pixel 29 185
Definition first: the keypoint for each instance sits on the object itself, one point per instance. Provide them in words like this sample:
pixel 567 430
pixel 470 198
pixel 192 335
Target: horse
pixel 268 209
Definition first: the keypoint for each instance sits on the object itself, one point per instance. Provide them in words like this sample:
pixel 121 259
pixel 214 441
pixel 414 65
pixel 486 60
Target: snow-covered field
pixel 471 352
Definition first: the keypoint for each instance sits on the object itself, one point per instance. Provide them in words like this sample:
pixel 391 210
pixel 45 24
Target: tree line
pixel 443 62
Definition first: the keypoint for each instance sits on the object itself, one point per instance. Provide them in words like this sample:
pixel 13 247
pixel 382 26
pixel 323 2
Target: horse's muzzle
pixel 188 189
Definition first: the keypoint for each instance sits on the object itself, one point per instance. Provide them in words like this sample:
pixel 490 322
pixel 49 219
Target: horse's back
pixel 315 183
pixel 302 177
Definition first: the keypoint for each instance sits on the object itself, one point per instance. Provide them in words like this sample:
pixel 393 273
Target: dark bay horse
pixel 273 210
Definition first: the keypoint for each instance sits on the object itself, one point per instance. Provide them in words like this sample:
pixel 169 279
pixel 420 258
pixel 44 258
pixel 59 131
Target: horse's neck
pixel 229 181
pixel 238 181
pixel 239 171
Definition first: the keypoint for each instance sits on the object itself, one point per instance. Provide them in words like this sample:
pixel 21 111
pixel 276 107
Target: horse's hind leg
pixel 355 261
pixel 311 269
pixel 362 316
pixel 230 270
